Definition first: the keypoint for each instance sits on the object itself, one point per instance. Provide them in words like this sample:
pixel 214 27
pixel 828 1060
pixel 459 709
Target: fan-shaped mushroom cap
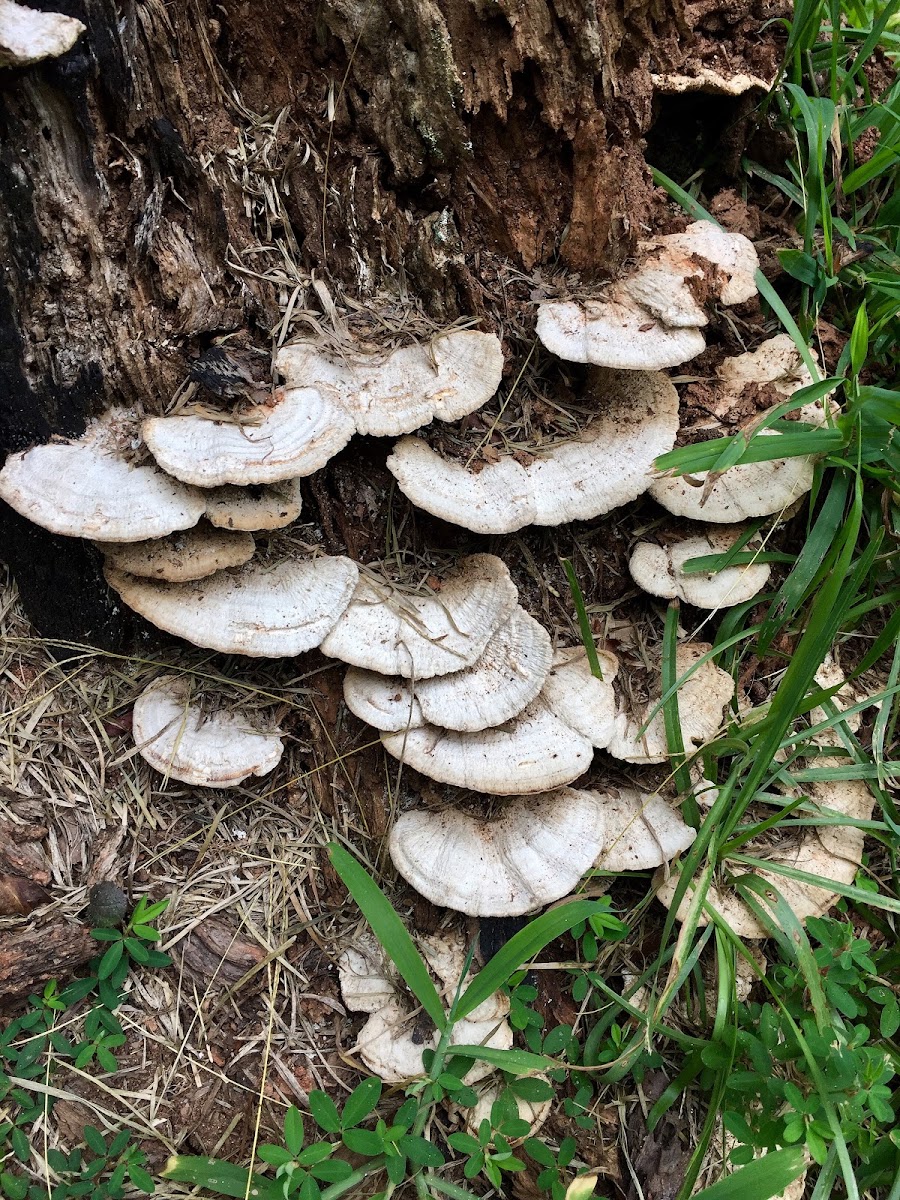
pixel 392 1040
pixel 256 508
pixel 532 753
pixel 422 635
pixel 829 675
pixel 701 701
pixel 776 363
pixel 295 435
pixel 534 852
pixel 660 286
pixel 732 253
pixel 496 688
pixel 610 464
pixel 181 557
pixel 261 611
pixel 831 852
pixel 89 488
pixel 580 700
pixel 207 750
pixel 658 568
pixel 708 80
pixel 614 333
pixel 385 395
pixel 27 35
pixel 641 831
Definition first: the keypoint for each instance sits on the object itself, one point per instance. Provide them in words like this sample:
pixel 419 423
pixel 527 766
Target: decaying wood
pixel 31 954
pixel 176 177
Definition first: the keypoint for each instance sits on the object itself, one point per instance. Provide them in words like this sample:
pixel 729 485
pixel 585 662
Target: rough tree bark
pixel 181 171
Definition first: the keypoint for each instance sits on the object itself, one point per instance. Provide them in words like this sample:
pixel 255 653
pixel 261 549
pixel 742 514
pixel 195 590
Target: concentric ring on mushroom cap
pixel 642 831
pixel 609 465
pixel 614 333
pixel 535 851
pixel 89 488
pixel 255 508
pixel 447 378
pixel 702 698
pixel 831 852
pixel 580 700
pixel 532 753
pixel 418 635
pixel 295 435
pixel 260 611
pixel 181 557
pixel 658 567
pixel 178 739
pixel 508 675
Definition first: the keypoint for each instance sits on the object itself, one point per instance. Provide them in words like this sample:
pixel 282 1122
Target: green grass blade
pixel 517 1062
pixel 672 717
pixel 390 931
pixel 220 1177
pixel 761 1179
pixel 520 949
pixel 856 894
pixel 584 624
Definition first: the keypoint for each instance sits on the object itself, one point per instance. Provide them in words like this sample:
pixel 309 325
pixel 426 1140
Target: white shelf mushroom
pixel 178 739
pixel 292 436
pixel 419 635
pixel 28 35
pixel 260 611
pixel 830 852
pixel 392 1041
pixel 610 464
pixel 651 319
pixel 709 80
pixel 658 567
pixel 752 489
pixel 255 508
pixel 534 852
pixel 579 699
pixel 642 831
pixel 532 753
pixel 181 557
pixel 387 394
pixel 701 702
pixel 508 675
pixel 90 487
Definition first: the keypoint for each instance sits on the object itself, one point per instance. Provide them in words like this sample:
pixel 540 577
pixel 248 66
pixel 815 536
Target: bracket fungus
pixel 534 851
pixel 610 464
pixel 387 394
pixel 658 567
pixel 508 675
pixel 260 611
pixel 392 1040
pixel 829 852
pixel 91 488
pixel 578 698
pixel 178 739
pixel 642 831
pixel 256 508
pixel 418 635
pixel 181 557
pixel 28 35
pixel 710 80
pixel 651 319
pixel 293 435
pixel 702 698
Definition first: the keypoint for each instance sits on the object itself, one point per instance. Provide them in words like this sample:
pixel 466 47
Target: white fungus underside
pixel 298 433
pixel 532 854
pixel 498 685
pixel 448 378
pixel 261 611
pixel 423 634
pixel 206 750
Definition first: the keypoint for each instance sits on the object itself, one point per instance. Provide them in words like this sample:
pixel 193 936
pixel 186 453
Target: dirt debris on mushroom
pixel 394 630
pixel 259 610
pixel 255 508
pixel 608 465
pixel 658 566
pixel 180 740
pixel 93 487
pixel 181 557
pixel 388 394
pixel 392 1040
pixel 531 851
pixel 292 435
